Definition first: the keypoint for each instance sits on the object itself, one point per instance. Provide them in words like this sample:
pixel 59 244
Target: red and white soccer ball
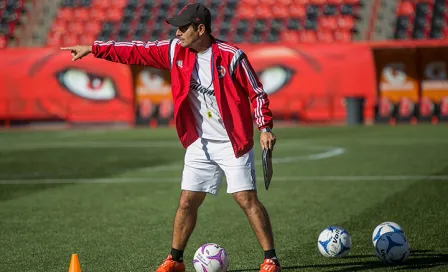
pixel 210 258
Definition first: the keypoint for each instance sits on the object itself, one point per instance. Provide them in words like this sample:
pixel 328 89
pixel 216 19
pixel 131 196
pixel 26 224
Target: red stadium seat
pixel 81 14
pixel 66 13
pixel 250 2
pixel 263 12
pixel 325 36
pixel 115 14
pixel 87 38
pixel 302 2
pixel 335 2
pixel 59 26
pixel 317 2
pixel 308 36
pixel 245 12
pixel 269 2
pixel 343 36
pixel 280 11
pixel 297 11
pixel 3 41
pixel 69 39
pixel 75 28
pixel 328 22
pixel 98 14
pixel 346 22
pixel 107 4
pixel 405 8
pixel 93 27
pixel 289 36
pixel 54 39
pixel 285 2
pixel 352 2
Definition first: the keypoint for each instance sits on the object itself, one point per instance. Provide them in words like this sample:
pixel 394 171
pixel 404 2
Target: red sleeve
pixel 248 79
pixel 154 54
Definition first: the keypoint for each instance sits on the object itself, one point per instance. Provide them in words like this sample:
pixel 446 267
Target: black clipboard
pixel 266 159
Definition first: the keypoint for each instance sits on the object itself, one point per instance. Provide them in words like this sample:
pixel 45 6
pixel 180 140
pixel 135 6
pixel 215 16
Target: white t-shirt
pixel 203 100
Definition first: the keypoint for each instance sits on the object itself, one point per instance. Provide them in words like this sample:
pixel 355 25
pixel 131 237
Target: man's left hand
pixel 267 140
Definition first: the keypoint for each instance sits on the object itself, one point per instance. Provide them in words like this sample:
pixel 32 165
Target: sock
pixel 270 254
pixel 177 255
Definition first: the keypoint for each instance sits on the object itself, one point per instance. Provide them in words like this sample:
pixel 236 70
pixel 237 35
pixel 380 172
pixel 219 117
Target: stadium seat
pixel 420 19
pixel 346 22
pixel 3 41
pixel 343 36
pixel 292 24
pixel 328 22
pixel 290 36
pixel 325 36
pixel 296 11
pixel 308 36
pixel 98 14
pixel 330 10
pixel 10 12
pixel 81 14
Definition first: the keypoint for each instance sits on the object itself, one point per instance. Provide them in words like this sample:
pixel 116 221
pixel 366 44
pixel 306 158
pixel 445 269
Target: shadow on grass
pixel 419 259
pixel 30 166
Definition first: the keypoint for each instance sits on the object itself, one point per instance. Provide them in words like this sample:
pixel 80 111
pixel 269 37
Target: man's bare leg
pixel 258 217
pixel 261 225
pixel 185 221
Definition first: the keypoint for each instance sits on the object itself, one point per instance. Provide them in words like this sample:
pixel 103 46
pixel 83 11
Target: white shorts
pixel 206 161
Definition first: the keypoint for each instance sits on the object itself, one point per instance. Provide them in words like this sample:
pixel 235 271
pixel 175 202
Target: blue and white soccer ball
pixel 383 228
pixel 210 258
pixel 392 248
pixel 334 241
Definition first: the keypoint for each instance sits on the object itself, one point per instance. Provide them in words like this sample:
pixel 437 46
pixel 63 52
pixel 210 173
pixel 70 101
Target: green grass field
pixel 110 196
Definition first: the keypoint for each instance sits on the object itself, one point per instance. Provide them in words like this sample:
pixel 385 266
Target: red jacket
pixel 234 81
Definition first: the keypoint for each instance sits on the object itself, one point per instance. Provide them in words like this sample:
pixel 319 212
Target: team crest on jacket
pixel 221 71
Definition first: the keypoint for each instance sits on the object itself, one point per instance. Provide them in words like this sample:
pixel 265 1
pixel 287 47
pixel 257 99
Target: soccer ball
pixel 392 248
pixel 383 228
pixel 210 258
pixel 334 241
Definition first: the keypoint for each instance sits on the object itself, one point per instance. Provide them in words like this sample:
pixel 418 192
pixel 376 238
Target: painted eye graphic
pixel 274 78
pixel 87 85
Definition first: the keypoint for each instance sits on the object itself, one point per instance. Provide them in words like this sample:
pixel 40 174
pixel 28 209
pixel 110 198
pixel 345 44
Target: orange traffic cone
pixel 74 264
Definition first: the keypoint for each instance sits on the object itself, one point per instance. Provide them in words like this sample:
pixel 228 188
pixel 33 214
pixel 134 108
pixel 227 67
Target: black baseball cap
pixel 192 13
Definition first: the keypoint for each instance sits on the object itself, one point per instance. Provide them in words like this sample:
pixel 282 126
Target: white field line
pixel 320 152
pixel 279 178
pixel 90 144
pixel 24 145
pixel 331 152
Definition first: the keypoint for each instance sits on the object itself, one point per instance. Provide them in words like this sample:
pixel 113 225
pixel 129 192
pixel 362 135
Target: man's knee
pixel 247 199
pixel 190 200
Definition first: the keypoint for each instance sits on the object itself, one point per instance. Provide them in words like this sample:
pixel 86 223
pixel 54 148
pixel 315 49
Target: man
pixel 211 82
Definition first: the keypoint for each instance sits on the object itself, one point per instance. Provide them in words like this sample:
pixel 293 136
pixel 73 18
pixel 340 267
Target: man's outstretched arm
pixel 154 54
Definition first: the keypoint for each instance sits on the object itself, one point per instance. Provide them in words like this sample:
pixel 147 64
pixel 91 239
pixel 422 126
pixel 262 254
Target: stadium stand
pixel 245 21
pixel 238 21
pixel 422 19
pixel 10 12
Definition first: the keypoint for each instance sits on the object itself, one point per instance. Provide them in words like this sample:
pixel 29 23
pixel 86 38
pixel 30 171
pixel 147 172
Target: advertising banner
pixel 44 84
pixel 307 82
pixel 312 81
